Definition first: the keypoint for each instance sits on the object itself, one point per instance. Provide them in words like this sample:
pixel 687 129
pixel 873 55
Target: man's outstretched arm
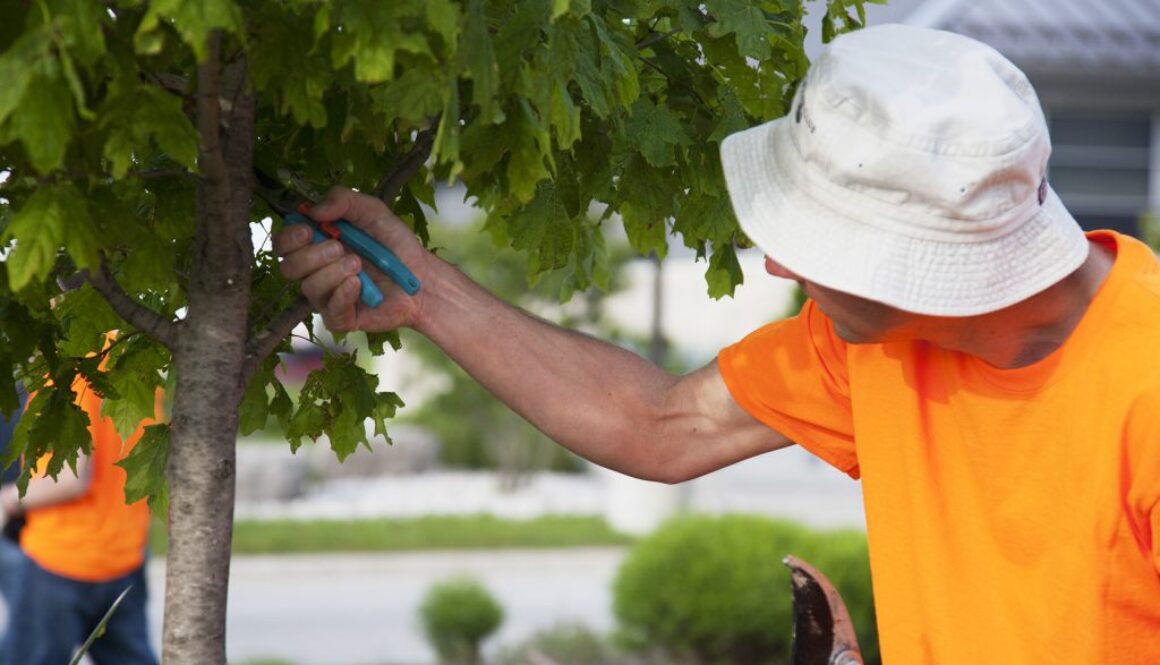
pixel 603 402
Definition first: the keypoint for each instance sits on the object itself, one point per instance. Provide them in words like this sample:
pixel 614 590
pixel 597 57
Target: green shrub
pixel 714 590
pixel 457 615
pixel 566 643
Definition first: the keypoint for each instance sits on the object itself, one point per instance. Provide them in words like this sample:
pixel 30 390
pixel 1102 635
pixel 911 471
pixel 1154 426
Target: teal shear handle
pixel 369 249
pixel 379 256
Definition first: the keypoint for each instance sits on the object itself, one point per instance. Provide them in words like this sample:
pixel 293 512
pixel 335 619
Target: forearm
pixel 603 402
pixel 44 491
pixel 595 398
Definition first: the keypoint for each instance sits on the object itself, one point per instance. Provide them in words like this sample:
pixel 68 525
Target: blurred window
pixel 1100 166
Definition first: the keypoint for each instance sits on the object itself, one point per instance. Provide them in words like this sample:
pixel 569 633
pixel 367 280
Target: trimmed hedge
pixel 713 590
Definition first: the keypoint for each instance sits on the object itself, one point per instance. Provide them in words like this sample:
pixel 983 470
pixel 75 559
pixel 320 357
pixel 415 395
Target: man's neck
pixel 1029 331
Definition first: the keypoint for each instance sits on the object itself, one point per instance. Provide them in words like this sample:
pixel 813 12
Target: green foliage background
pixel 542 108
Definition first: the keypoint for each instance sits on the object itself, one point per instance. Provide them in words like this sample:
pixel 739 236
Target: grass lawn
pixel 421 533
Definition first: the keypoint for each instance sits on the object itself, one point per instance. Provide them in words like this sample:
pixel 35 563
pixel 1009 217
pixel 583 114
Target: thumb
pixel 334 206
pixel 366 212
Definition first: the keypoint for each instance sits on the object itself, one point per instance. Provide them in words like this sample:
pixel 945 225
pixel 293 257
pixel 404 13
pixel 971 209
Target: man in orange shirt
pixel 989 372
pixel 84 547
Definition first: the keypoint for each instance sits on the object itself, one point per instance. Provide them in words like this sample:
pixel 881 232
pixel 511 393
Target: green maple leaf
pixel 145 469
pixel 542 229
pixel 527 141
pixel 386 406
pixel 18 64
pixel 376 342
pixel 140 117
pixel 53 217
pixel 745 21
pixel 477 61
pixel 724 272
pixel 416 95
pixel 80 26
pixel 44 121
pixel 193 21
pixel 372 33
pixel 658 131
pixel 574 46
pixel 647 195
pixel 446 147
pixel 444 17
pixel 255 408
pixel 85 317
pixel 54 423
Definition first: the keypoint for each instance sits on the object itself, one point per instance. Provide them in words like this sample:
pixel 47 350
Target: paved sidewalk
pixel 362 609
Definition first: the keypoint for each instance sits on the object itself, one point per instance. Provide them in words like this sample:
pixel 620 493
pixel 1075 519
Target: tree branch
pixel 390 186
pixel 139 316
pixel 148 174
pixel 209 114
pixel 655 37
pixel 173 83
pixel 263 344
pixel 678 84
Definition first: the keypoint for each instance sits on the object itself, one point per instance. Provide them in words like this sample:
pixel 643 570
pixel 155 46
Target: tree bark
pixel 209 359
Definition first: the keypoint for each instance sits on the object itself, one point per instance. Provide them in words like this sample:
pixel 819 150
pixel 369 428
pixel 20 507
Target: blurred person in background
pixel 11 557
pixel 83 547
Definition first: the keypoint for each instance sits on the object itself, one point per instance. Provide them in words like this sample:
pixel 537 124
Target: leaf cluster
pixel 546 110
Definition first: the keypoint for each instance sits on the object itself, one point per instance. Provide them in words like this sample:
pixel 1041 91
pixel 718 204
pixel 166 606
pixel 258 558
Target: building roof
pixel 1105 37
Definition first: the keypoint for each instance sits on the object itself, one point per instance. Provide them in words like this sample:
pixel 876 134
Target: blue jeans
pixel 11 569
pixel 53 615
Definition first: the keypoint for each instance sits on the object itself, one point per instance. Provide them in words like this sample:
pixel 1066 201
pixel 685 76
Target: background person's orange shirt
pixel 96 537
pixel 1012 515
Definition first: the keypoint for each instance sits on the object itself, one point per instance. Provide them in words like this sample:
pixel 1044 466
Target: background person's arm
pixel 44 491
pixel 603 402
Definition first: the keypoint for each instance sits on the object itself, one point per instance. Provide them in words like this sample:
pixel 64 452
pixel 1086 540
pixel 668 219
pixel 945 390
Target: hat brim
pixel 857 256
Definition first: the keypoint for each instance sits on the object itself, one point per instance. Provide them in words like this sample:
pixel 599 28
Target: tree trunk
pixel 209 362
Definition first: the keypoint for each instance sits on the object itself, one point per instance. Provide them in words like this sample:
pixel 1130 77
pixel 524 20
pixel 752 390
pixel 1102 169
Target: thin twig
pixel 675 83
pixel 263 344
pixel 390 186
pixel 139 316
pixel 149 174
pixel 655 37
pixel 173 83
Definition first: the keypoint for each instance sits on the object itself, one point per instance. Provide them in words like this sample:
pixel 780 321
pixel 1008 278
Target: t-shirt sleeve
pixel 791 375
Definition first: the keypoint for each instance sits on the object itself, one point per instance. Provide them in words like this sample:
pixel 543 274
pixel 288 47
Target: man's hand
pixel 603 402
pixel 328 271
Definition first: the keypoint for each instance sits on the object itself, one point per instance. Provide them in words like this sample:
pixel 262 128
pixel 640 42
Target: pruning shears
pixel 294 209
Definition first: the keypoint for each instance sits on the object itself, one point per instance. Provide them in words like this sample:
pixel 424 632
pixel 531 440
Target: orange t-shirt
pixel 1012 515
pixel 96 537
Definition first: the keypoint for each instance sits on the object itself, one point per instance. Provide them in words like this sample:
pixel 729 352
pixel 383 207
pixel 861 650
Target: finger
pixel 345 203
pixel 340 313
pixel 291 238
pixel 311 258
pixel 319 286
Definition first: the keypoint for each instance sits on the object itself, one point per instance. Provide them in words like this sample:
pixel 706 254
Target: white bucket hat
pixel 910 170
